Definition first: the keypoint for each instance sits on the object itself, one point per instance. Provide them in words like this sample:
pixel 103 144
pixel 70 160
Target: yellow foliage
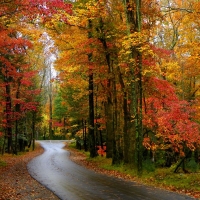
pixel 171 70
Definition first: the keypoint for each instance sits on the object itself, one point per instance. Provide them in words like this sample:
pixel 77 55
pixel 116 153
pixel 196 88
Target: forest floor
pixel 17 184
pixel 15 181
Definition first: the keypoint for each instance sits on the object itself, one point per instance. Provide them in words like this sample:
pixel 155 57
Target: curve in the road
pixel 70 181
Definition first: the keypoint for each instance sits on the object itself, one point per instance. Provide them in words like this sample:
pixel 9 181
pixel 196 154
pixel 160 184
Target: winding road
pixel 70 181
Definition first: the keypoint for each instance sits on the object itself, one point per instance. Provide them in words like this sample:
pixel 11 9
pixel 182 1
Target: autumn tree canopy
pixel 126 74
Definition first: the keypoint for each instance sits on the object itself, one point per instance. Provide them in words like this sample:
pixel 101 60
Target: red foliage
pixel 101 150
pixel 57 124
pixel 17 78
pixel 14 71
pixel 1 134
pixel 162 53
pixel 47 8
pixel 29 106
pixel 168 117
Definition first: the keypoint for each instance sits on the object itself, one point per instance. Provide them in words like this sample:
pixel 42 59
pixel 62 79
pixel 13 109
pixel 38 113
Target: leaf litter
pixel 15 181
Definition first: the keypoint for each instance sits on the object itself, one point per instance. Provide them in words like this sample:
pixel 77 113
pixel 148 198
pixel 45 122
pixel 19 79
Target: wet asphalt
pixel 70 181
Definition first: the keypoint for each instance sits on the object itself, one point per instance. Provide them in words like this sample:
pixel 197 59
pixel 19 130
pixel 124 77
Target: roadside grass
pixel 4 159
pixel 161 177
pixel 72 145
pixel 166 178
pixel 187 183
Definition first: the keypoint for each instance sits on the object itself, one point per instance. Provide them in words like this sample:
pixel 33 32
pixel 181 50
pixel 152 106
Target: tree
pixel 132 58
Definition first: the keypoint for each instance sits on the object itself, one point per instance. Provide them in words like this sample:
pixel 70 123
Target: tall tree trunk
pixel 8 119
pixel 33 129
pixel 140 91
pixel 133 14
pixel 91 130
pixel 116 141
pixel 126 139
pixel 84 134
pixel 109 109
pixel 17 110
pixel 109 128
pixel 131 123
pixel 8 114
pixel 50 107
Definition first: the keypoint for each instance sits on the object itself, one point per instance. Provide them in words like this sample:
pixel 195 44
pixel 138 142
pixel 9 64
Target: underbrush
pixel 6 156
pixel 187 183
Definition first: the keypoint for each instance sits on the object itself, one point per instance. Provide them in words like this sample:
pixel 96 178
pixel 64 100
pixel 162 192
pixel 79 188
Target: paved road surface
pixel 70 181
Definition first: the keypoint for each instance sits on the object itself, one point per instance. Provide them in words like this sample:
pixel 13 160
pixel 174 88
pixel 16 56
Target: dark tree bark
pixel 33 129
pixel 109 110
pixel 133 14
pixel 91 132
pixel 84 134
pixel 17 110
pixel 8 114
pixel 126 139
pixel 50 107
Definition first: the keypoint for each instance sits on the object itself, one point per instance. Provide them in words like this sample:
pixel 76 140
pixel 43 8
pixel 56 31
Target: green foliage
pixel 79 142
pixel 1 142
pixel 177 181
pixel 73 104
pixel 2 163
pixel 192 165
pixel 58 137
pixel 59 109
pixel 148 165
pixel 22 137
pixel 161 160
pixel 72 144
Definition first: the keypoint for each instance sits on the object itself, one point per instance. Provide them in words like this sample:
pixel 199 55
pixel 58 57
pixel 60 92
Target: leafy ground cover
pixel 163 178
pixel 15 181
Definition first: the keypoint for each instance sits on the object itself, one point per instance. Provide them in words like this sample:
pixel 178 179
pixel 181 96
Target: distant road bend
pixel 70 181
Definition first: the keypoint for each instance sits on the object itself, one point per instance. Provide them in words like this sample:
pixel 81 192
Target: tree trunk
pixel 133 14
pixel 109 128
pixel 182 162
pixel 126 118
pixel 109 110
pixel 91 133
pixel 8 115
pixel 84 134
pixel 140 95
pixel 50 107
pixel 17 110
pixel 117 158
pixel 33 129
